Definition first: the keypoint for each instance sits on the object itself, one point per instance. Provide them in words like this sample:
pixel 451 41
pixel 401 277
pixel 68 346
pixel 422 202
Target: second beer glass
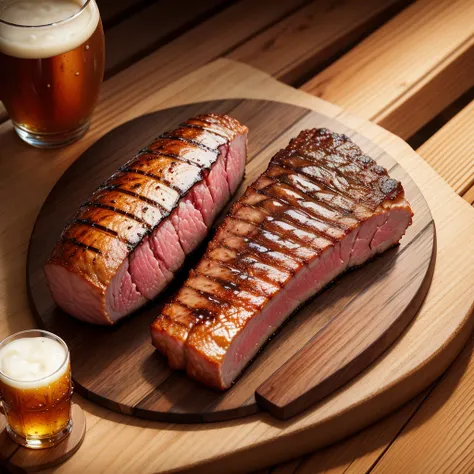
pixel 52 65
pixel 36 388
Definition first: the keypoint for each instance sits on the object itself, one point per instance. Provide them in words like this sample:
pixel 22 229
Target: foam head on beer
pixel 36 388
pixel 52 57
pixel 66 31
pixel 32 362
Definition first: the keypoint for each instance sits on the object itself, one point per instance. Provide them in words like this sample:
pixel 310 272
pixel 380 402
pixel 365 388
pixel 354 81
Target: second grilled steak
pixel 321 207
pixel 126 242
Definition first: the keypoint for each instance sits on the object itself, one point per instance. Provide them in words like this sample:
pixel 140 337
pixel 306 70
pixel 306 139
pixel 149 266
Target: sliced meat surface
pixel 125 244
pixel 321 207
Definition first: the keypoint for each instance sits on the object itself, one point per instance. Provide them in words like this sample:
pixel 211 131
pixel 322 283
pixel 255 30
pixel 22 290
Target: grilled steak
pixel 321 207
pixel 126 242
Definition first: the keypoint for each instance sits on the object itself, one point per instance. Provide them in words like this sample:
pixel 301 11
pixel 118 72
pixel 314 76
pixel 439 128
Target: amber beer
pixel 36 388
pixel 52 65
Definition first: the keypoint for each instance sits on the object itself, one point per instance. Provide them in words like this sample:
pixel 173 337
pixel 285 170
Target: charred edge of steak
pixel 232 126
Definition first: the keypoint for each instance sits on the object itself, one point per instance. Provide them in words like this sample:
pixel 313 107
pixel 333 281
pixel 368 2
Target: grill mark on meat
pixel 355 178
pixel 226 284
pixel 153 203
pixel 359 161
pixel 308 211
pixel 333 209
pixel 323 163
pixel 174 321
pixel 352 158
pixel 288 219
pixel 301 240
pixel 231 285
pixel 276 230
pixel 106 230
pixel 77 243
pixel 283 179
pixel 268 244
pixel 261 257
pixel 164 181
pixel 190 141
pixel 218 300
pixel 239 278
pixel 118 211
pixel 358 158
pixel 263 240
pixel 282 158
pixel 201 315
pixel 198 127
pixel 320 183
pixel 175 156
pixel 263 252
pixel 237 265
pixel 283 244
pixel 267 248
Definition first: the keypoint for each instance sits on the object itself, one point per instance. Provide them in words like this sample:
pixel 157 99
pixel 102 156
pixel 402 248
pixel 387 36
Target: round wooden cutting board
pixel 342 330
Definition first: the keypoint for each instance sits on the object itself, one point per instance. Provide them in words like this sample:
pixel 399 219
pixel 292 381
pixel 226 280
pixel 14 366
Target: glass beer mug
pixel 51 67
pixel 36 388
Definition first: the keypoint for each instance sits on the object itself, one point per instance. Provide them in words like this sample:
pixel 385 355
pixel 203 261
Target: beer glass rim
pixel 64 20
pixel 18 335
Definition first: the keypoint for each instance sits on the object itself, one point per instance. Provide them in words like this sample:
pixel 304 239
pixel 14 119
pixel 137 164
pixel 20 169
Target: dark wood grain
pixel 151 27
pixel 119 368
pixel 298 46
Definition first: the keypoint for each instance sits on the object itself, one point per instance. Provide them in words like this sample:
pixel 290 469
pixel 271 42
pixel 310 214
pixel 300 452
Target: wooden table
pixel 408 66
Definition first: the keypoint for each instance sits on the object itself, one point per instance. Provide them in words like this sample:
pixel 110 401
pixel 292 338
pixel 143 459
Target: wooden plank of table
pixel 358 453
pixel 469 196
pixel 395 76
pixel 151 27
pixel 439 437
pixel 451 151
pixel 308 38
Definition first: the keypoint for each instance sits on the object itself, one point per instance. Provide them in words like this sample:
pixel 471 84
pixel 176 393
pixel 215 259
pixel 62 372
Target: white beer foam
pixel 45 41
pixel 32 362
